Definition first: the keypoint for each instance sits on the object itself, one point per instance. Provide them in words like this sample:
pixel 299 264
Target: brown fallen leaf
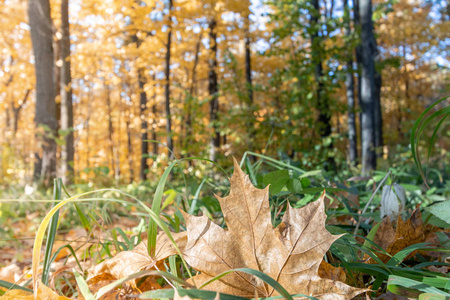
pixel 11 273
pixel 327 271
pixel 407 233
pixel 43 293
pixel 290 254
pixel 127 263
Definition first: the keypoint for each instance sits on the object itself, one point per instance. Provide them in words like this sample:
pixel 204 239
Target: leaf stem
pixel 370 200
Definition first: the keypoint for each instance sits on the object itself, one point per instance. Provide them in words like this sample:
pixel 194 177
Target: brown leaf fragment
pixel 327 271
pixel 11 273
pixel 385 235
pixel 390 296
pixel 127 263
pixel 407 233
pixel 43 293
pixel 290 254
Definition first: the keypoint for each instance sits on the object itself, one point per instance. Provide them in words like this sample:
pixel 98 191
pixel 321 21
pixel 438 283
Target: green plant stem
pixel 370 200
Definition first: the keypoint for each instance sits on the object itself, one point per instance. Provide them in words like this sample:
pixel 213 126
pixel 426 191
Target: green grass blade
pixel 40 233
pixel 71 251
pixel 411 288
pixel 251 171
pixel 415 135
pixel 101 292
pixel 194 294
pixel 157 199
pixel 51 234
pixel 13 286
pixel 174 269
pixel 401 255
pixel 267 158
pixel 197 194
pixel 430 296
pixel 83 286
pixel 434 136
pixel 267 279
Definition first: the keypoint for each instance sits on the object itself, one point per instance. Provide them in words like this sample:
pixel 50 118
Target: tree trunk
pixel 350 88
pixel 367 89
pixel 16 111
pixel 248 78
pixel 144 126
pixel 358 54
pixel 45 111
pixel 323 106
pixel 167 90
pixel 88 119
pixel 154 124
pixel 130 146
pixel 110 130
pixel 378 119
pixel 191 95
pixel 67 149
pixel 143 116
pixel 213 91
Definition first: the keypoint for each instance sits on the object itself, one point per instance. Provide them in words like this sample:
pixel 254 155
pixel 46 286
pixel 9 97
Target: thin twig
pixel 370 200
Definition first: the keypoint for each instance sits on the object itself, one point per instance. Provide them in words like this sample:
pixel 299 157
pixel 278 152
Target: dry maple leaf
pixel 407 233
pixel 290 253
pixel 127 263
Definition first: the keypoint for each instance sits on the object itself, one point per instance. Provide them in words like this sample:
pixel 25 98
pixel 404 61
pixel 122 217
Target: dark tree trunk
pixel 45 112
pixel 248 78
pixel 110 130
pixel 378 119
pixel 130 146
pixel 16 111
pixel 367 96
pixel 144 127
pixel 191 95
pixel 143 117
pixel 167 90
pixel 358 54
pixel 322 100
pixel 323 106
pixel 350 87
pixel 248 63
pixel 213 91
pixel 154 112
pixel 67 149
pixel 88 119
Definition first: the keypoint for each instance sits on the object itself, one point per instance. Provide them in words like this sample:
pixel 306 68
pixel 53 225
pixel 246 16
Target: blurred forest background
pixel 86 87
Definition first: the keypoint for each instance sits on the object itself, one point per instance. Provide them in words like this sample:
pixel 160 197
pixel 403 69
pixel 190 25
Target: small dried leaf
pixel 127 263
pixel 11 273
pixel 327 271
pixel 43 293
pixel 407 233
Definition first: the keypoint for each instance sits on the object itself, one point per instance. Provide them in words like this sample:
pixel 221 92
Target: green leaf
pixel 306 182
pixel 430 296
pixel 440 210
pixel 294 185
pixel 277 181
pixel 411 288
pixel 83 286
